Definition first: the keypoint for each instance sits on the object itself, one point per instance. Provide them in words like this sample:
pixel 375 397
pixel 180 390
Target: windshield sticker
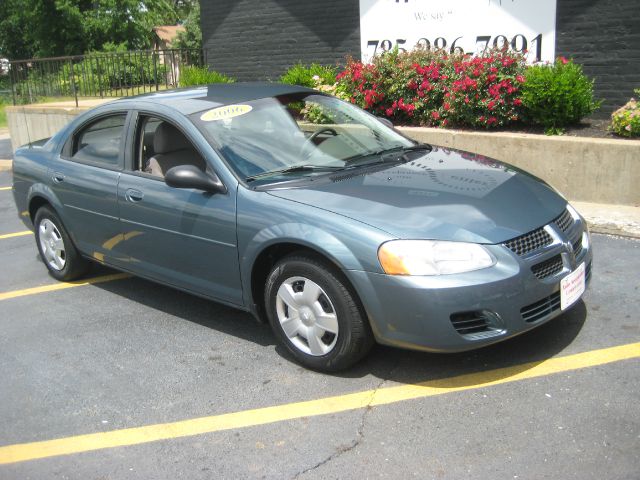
pixel 222 113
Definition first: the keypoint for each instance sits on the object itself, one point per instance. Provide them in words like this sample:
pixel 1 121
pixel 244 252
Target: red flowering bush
pixel 435 88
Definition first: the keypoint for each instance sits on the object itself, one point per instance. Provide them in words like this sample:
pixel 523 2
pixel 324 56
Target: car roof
pixel 195 99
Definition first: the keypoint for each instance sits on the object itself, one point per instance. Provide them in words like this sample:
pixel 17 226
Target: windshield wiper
pixel 293 169
pixel 382 153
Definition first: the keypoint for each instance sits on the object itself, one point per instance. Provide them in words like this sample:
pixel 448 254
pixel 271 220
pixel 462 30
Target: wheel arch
pixel 35 204
pixel 272 253
pixel 38 196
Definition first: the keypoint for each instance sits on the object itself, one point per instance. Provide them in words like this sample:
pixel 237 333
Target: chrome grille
pixel 564 221
pixel 577 248
pixel 529 242
pixel 548 268
pixel 541 309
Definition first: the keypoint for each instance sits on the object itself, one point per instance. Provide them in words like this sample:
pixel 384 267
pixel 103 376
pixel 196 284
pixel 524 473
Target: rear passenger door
pixel 85 180
pixel 182 237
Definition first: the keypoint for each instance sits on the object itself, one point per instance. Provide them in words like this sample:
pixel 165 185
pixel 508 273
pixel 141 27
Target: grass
pixel 3 115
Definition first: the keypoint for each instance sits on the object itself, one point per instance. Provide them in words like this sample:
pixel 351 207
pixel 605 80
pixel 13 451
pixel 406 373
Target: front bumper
pixel 450 313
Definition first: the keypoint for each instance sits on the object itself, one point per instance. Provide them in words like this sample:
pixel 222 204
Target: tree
pixel 191 37
pixel 15 39
pixel 70 27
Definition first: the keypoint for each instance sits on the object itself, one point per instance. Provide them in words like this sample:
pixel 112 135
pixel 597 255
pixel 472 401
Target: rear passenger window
pixel 100 141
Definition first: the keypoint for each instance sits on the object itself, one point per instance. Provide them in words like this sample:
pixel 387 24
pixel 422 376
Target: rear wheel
pixel 315 315
pixel 58 253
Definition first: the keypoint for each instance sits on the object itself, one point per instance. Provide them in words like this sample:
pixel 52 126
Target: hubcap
pixel 307 316
pixel 52 245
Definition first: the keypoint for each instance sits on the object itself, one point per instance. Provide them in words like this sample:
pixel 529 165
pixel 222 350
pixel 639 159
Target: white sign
pixel 572 287
pixel 470 26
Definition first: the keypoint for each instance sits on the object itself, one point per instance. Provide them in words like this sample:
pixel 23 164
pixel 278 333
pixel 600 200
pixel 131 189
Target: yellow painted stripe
pixel 61 286
pixel 16 234
pixel 4 188
pixel 324 406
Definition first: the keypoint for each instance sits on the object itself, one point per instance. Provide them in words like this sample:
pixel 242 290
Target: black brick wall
pixel 604 37
pixel 260 39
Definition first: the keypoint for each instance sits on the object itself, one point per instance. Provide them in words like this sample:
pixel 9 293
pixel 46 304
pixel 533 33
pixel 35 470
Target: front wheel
pixel 58 253
pixel 315 315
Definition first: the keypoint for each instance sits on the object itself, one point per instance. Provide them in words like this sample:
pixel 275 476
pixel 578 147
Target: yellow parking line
pixel 61 286
pixel 324 406
pixel 16 234
pixel 4 188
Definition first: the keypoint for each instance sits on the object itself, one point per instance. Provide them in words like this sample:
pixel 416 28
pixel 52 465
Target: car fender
pixel 320 240
pixel 44 191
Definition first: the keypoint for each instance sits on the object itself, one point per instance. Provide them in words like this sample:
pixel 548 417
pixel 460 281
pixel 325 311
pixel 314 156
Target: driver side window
pixel 161 146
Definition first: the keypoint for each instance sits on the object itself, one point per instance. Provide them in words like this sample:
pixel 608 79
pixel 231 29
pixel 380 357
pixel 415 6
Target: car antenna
pixel 26 124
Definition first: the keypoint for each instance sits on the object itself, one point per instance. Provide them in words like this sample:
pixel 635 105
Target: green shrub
pixel 190 76
pixel 304 75
pixel 558 95
pixel 626 120
pixel 436 88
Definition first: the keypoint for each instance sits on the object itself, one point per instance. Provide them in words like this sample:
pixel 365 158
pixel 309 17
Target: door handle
pixel 133 195
pixel 58 177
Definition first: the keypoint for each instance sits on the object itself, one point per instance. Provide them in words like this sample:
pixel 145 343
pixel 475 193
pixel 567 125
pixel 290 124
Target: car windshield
pixel 278 138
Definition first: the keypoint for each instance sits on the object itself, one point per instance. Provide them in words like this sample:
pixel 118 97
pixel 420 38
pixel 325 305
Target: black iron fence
pixel 102 75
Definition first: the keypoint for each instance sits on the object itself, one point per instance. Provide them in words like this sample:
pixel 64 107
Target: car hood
pixel 443 195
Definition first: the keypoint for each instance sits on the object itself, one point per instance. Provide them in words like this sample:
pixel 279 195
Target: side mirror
pixel 190 176
pixel 386 121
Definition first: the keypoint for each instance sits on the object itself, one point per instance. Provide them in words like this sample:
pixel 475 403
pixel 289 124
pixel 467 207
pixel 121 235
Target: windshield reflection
pixel 294 135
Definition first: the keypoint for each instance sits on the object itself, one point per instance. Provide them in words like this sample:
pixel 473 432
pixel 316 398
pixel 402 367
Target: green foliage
pixel 116 73
pixel 190 76
pixel 5 98
pixel 304 75
pixel 44 28
pixel 626 120
pixel 3 114
pixel 191 37
pixel 556 96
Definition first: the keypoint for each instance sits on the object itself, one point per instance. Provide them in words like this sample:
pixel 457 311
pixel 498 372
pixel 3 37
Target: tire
pixel 315 315
pixel 57 251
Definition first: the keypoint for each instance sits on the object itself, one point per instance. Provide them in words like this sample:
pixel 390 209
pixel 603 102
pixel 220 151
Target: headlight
pixel 431 257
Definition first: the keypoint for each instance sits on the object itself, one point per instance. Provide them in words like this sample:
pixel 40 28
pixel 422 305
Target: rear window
pixel 100 141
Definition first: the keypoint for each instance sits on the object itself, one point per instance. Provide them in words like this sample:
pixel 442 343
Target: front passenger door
pixel 182 237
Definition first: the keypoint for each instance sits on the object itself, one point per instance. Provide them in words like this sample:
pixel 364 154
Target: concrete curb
pixel 611 219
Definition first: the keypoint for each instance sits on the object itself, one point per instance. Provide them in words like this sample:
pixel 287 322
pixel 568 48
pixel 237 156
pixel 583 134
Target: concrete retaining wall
pixel 605 171
pixel 30 123
pixel 584 169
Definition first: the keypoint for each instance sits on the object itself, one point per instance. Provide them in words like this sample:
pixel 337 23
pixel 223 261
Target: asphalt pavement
pixel 107 358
